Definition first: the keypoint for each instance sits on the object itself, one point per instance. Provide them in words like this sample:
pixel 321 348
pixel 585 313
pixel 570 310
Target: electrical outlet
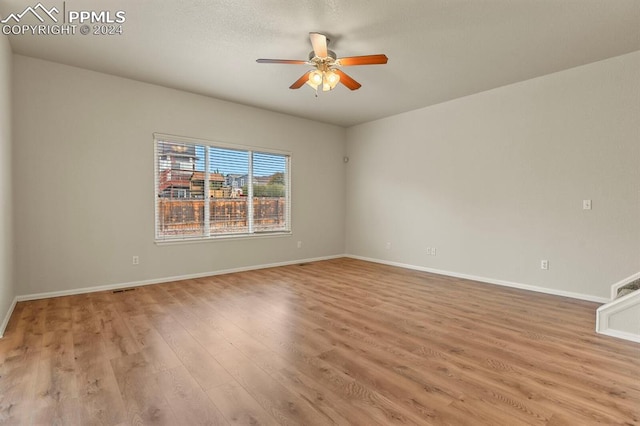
pixel 299 244
pixel 387 246
pixel 428 251
pixel 433 251
pixel 136 260
pixel 544 264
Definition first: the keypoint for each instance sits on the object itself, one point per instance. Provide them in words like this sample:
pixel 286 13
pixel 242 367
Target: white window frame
pixel 162 137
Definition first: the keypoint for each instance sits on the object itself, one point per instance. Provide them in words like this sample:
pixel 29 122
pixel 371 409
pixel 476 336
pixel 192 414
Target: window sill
pixel 197 240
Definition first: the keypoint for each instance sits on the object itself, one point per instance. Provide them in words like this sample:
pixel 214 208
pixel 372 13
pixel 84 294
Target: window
pixel 208 191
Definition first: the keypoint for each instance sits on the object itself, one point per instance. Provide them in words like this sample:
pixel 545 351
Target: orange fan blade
pixel 347 81
pixel 280 61
pixel 363 60
pixel 319 43
pixel 301 81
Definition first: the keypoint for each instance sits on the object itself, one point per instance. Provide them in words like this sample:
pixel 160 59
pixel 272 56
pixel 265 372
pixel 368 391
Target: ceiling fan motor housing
pixel 330 54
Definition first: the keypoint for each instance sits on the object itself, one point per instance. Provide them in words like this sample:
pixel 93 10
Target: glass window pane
pixel 228 180
pixel 179 212
pixel 270 188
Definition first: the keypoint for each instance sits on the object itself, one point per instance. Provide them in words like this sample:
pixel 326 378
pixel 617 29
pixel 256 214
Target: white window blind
pixel 207 191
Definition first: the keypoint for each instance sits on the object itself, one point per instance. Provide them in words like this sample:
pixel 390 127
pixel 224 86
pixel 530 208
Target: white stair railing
pixel 621 317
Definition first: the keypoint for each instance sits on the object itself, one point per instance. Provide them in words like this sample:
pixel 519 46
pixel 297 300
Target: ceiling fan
pixel 326 73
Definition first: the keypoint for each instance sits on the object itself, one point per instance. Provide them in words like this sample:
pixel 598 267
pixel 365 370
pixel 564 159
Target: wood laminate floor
pixel 335 342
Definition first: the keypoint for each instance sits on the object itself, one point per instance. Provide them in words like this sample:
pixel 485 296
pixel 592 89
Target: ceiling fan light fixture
pixel 332 79
pixel 315 79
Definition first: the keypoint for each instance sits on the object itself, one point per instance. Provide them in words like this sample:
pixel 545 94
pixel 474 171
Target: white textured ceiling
pixel 438 49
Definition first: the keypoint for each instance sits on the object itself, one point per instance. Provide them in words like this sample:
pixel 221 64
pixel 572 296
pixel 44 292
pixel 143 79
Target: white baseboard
pixel 7 317
pixel 537 289
pixel 117 286
pixel 71 292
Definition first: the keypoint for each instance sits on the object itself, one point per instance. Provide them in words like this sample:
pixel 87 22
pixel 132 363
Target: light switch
pixel 586 204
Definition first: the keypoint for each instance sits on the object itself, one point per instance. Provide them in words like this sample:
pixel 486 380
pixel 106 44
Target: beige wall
pixel 6 241
pixel 84 179
pixel 495 182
